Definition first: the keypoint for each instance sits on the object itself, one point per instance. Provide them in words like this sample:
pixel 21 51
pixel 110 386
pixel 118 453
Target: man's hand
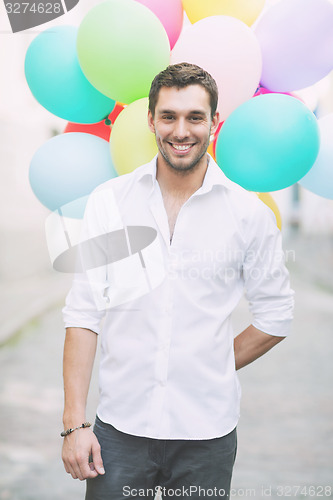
pixel 77 448
pixel 79 354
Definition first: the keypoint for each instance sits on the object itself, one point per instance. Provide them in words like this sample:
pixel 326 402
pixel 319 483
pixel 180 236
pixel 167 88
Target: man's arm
pixel 267 287
pixel 251 344
pixel 79 355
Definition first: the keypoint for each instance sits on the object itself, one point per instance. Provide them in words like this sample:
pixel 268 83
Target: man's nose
pixel 181 129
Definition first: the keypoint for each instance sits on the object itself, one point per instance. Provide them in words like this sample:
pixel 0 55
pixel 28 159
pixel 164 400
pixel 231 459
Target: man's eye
pixel 168 117
pixel 195 118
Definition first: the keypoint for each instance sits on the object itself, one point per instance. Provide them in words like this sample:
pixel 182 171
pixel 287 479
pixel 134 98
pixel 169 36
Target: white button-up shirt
pixel 167 367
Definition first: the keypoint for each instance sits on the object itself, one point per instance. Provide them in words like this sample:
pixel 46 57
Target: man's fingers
pixel 81 470
pixel 73 467
pixel 68 467
pixel 97 458
pixel 76 451
pixel 85 469
pixel 70 470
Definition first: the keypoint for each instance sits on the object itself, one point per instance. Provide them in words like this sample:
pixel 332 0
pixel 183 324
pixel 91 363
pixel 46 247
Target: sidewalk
pixel 286 395
pixel 23 300
pixel 308 257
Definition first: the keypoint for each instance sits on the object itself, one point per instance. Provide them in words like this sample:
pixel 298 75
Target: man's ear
pixel 151 122
pixel 215 122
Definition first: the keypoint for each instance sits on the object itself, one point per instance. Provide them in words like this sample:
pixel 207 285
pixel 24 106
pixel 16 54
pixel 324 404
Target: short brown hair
pixel 181 75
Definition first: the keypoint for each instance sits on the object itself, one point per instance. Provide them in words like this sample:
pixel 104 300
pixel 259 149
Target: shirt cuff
pixel 280 328
pixel 78 319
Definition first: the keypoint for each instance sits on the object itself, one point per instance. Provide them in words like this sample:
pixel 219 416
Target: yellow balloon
pixel 131 142
pixel 245 10
pixel 268 200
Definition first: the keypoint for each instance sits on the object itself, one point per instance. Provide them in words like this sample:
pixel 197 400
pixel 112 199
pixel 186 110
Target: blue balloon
pixel 56 80
pixel 319 179
pixel 268 143
pixel 67 168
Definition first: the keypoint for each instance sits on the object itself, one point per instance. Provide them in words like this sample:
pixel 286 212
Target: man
pixel 169 394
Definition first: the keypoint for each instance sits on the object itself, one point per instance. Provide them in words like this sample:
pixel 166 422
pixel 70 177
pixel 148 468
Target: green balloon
pixel 268 143
pixel 121 46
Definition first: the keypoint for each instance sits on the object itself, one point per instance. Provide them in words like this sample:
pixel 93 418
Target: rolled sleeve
pixel 266 278
pixel 85 303
pixel 80 310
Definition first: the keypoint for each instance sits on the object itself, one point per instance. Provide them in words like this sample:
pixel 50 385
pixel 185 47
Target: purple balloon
pixel 296 39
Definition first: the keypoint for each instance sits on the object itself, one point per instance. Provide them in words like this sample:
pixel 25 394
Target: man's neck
pixel 180 183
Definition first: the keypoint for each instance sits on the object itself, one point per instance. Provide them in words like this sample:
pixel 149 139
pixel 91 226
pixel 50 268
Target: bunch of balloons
pixel 97 77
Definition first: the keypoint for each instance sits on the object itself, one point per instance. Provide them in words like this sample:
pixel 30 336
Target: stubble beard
pixel 184 169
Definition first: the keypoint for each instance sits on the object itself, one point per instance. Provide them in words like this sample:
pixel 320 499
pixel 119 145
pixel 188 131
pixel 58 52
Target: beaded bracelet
pixel 69 431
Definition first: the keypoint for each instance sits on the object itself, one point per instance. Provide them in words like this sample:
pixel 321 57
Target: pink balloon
pixel 296 39
pixel 262 91
pixel 170 13
pixel 228 49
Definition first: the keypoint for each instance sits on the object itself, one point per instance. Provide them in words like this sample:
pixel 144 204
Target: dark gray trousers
pixel 136 466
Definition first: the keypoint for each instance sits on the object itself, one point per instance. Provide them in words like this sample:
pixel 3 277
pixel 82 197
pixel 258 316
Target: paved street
pixel 285 432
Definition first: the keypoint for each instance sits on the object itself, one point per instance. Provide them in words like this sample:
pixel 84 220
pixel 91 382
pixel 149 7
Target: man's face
pixel 182 125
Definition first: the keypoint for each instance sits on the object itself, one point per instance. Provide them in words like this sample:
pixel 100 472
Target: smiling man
pixel 169 393
pixel 182 123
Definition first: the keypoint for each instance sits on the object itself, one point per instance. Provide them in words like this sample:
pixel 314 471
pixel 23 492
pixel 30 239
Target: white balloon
pixel 229 50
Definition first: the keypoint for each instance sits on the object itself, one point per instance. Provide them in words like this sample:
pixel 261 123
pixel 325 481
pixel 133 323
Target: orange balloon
pixel 115 112
pixel 100 129
pixel 210 150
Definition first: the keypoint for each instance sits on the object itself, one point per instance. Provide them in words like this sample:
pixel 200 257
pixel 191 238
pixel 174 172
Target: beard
pixel 182 167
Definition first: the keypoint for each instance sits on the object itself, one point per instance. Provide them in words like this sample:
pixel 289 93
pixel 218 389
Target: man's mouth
pixel 181 147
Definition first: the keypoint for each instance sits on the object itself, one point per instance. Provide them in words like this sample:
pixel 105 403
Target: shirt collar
pixel 213 177
pixel 147 172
